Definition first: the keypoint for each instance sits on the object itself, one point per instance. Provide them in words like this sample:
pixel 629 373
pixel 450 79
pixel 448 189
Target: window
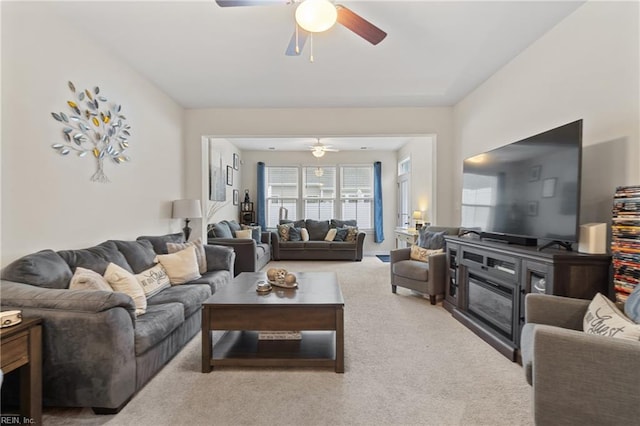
pixel 319 192
pixel 338 192
pixel 404 197
pixel 356 194
pixel 282 191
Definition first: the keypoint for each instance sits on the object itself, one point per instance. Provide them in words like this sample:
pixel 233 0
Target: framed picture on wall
pixel 229 175
pixel 236 162
pixel 236 197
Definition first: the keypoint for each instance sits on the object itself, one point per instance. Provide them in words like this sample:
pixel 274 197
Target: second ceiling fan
pixel 314 16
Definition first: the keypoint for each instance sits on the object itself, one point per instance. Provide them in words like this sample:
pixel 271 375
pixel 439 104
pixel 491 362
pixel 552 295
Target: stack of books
pixel 625 240
pixel 279 335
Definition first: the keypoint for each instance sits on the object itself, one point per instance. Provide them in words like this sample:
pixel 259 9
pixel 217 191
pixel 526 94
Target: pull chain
pixel 311 47
pixel 297 45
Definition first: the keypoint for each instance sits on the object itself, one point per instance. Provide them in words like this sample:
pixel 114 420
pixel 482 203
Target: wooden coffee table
pixel 316 308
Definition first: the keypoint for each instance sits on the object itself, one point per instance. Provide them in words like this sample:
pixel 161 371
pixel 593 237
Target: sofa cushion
pixel 214 279
pixel 221 230
pixel 422 254
pixel 292 245
pixel 153 327
pixel 244 234
pixel 256 232
pixel 295 234
pixel 218 257
pixel 159 242
pixel 603 318
pixel 297 223
pixel 341 234
pixel 318 245
pixel 336 223
pixel 201 257
pixel 44 269
pixel 189 295
pixel 352 233
pixel 86 279
pixel 412 270
pixel 233 226
pixel 139 254
pixel 181 266
pixel 96 258
pixel 125 282
pixel 153 280
pixel 342 245
pixel 262 249
pixel 317 229
pixel 430 240
pixel 526 350
pixel 283 231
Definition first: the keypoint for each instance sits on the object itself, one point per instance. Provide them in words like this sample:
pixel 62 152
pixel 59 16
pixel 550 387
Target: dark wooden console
pixel 489 280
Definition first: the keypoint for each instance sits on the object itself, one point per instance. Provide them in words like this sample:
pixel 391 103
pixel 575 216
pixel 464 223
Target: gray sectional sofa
pixel 96 352
pixel 316 248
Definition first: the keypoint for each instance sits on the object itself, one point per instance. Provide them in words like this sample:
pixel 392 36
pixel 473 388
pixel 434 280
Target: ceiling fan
pixel 318 149
pixel 314 16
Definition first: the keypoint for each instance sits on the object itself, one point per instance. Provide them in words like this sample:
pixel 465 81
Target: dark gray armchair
pixel 577 378
pixel 428 278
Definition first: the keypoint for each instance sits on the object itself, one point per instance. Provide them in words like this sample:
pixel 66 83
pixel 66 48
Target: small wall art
pixel 549 187
pixel 236 162
pixel 229 175
pixel 534 173
pixel 236 197
pixel 93 127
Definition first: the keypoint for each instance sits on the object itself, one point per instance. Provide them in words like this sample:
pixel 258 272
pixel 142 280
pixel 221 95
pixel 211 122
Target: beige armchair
pixel 428 278
pixel 577 378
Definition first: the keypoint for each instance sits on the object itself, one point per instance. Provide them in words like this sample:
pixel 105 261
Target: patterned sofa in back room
pixel 318 240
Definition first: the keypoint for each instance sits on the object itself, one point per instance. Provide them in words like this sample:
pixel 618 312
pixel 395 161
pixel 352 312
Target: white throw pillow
pixel 86 279
pixel 603 318
pixel 153 280
pixel 201 255
pixel 244 234
pixel 304 234
pixel 331 234
pixel 422 254
pixel 125 282
pixel 181 266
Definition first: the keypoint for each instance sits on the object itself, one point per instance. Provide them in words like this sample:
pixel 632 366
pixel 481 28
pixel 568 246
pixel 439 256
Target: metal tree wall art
pixel 93 127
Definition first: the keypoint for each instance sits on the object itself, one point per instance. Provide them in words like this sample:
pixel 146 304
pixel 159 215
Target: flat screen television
pixel 527 190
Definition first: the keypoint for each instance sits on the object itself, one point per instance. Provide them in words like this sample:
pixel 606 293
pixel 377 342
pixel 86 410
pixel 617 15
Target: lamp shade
pixel 417 215
pixel 183 209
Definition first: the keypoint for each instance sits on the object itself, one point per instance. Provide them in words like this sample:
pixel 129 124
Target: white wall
pixel 48 200
pixel 586 67
pixel 328 122
pixel 424 170
pixel 388 159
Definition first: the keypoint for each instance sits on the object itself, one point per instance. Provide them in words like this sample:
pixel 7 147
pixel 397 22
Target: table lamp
pixel 187 210
pixel 416 216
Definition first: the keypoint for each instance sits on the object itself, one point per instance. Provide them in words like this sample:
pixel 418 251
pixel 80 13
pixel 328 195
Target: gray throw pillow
pixel 341 234
pixel 233 226
pixel 222 230
pixel 317 229
pixel 336 223
pixel 431 240
pixel 294 234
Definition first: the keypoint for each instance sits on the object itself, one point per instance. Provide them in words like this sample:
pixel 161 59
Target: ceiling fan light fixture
pixel 316 16
pixel 317 152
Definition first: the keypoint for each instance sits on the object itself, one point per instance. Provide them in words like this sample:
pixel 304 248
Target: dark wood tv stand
pixel 488 282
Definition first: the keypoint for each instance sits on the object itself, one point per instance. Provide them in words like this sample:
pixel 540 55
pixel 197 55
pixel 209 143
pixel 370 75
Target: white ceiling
pixel 205 56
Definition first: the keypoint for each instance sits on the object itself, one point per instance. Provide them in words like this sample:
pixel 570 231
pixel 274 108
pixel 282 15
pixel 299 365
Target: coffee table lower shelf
pixel 244 349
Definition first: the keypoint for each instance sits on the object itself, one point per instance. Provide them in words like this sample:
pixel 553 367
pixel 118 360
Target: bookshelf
pixel 625 240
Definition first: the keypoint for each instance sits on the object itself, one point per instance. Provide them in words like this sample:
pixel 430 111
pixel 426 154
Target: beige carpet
pixel 406 363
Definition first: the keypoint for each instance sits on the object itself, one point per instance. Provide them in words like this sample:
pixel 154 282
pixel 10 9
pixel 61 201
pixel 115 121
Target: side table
pixel 21 348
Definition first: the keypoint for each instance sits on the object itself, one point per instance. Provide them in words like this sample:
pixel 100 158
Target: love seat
pixel 317 246
pixel 96 352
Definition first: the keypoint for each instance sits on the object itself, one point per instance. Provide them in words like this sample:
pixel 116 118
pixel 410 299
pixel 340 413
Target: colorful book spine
pixel 625 240
pixel 279 335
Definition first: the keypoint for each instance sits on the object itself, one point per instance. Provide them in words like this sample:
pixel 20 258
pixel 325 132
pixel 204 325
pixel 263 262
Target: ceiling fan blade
pixel 302 39
pixel 234 3
pixel 359 25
